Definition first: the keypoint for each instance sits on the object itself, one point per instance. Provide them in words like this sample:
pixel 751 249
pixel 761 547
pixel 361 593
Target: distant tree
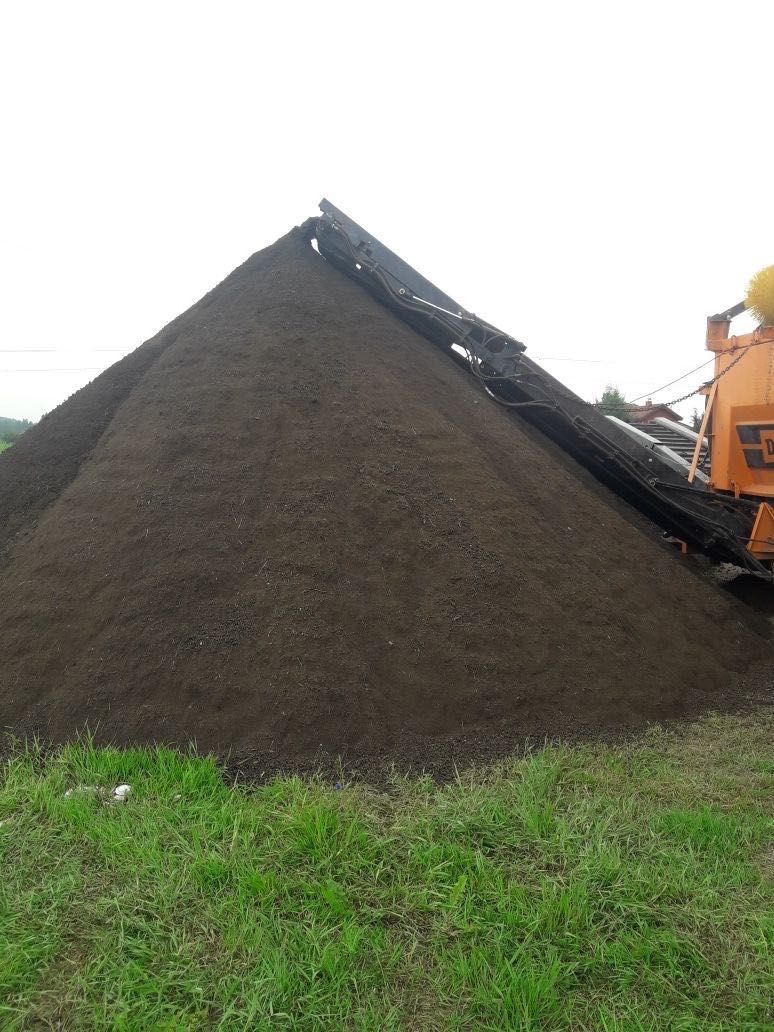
pixel 613 403
pixel 696 418
pixel 15 426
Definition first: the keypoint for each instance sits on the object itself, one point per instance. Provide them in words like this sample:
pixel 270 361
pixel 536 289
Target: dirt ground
pixel 290 529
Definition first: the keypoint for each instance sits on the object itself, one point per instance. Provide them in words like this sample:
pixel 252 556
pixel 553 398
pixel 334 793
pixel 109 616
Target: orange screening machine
pixel 739 416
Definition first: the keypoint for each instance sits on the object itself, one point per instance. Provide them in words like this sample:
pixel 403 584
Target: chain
pixel 742 352
pixel 742 349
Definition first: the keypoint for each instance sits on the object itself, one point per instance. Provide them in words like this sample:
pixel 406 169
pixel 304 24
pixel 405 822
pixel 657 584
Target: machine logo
pixel 757 441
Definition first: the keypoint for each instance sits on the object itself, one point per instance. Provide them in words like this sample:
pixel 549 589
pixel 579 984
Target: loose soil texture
pixel 290 529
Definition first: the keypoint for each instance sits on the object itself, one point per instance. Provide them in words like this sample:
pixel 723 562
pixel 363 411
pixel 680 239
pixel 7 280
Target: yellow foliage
pixel 760 296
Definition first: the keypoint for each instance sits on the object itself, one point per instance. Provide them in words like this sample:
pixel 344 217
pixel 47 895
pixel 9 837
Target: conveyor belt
pixel 716 524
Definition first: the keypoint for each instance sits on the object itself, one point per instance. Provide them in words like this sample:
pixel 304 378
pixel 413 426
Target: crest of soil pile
pixel 292 529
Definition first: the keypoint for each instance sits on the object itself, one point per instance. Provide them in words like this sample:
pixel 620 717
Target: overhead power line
pixel 656 390
pixel 60 351
pixel 743 348
pixel 590 361
pixel 70 369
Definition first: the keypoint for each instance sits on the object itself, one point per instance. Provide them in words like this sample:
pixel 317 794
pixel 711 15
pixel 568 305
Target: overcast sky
pixel 595 178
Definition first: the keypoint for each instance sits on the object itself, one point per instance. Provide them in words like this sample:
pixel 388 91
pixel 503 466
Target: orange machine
pixel 739 421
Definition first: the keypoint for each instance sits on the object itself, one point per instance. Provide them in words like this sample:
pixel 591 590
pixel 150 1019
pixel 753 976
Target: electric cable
pixel 741 348
pixel 68 369
pixel 649 394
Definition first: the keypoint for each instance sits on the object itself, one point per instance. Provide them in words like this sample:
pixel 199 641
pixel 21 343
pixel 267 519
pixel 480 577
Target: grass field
pixel 590 888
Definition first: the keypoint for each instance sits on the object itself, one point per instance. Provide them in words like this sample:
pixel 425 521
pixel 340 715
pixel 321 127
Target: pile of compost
pixel 288 528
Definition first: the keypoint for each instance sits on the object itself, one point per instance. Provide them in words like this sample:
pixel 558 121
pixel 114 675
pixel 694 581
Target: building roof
pixel 648 412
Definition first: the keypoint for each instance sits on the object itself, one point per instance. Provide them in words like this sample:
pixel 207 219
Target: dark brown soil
pixel 290 529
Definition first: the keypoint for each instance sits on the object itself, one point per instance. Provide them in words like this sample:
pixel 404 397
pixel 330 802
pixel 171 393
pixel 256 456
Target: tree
pixel 16 426
pixel 11 430
pixel 696 418
pixel 613 403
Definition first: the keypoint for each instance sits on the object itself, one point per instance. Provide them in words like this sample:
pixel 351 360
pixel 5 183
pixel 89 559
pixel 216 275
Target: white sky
pixel 594 177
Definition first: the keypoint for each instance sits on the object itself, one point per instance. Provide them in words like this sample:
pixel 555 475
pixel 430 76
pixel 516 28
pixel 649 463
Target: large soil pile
pixel 290 528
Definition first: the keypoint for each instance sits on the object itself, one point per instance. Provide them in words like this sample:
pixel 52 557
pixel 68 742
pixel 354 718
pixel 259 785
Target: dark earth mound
pixel 289 528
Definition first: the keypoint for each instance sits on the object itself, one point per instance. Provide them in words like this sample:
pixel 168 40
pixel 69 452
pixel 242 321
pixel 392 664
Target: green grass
pixel 589 888
pixel 4 445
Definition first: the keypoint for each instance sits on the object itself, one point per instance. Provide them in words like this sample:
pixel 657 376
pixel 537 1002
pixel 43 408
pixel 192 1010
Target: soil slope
pixel 289 528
